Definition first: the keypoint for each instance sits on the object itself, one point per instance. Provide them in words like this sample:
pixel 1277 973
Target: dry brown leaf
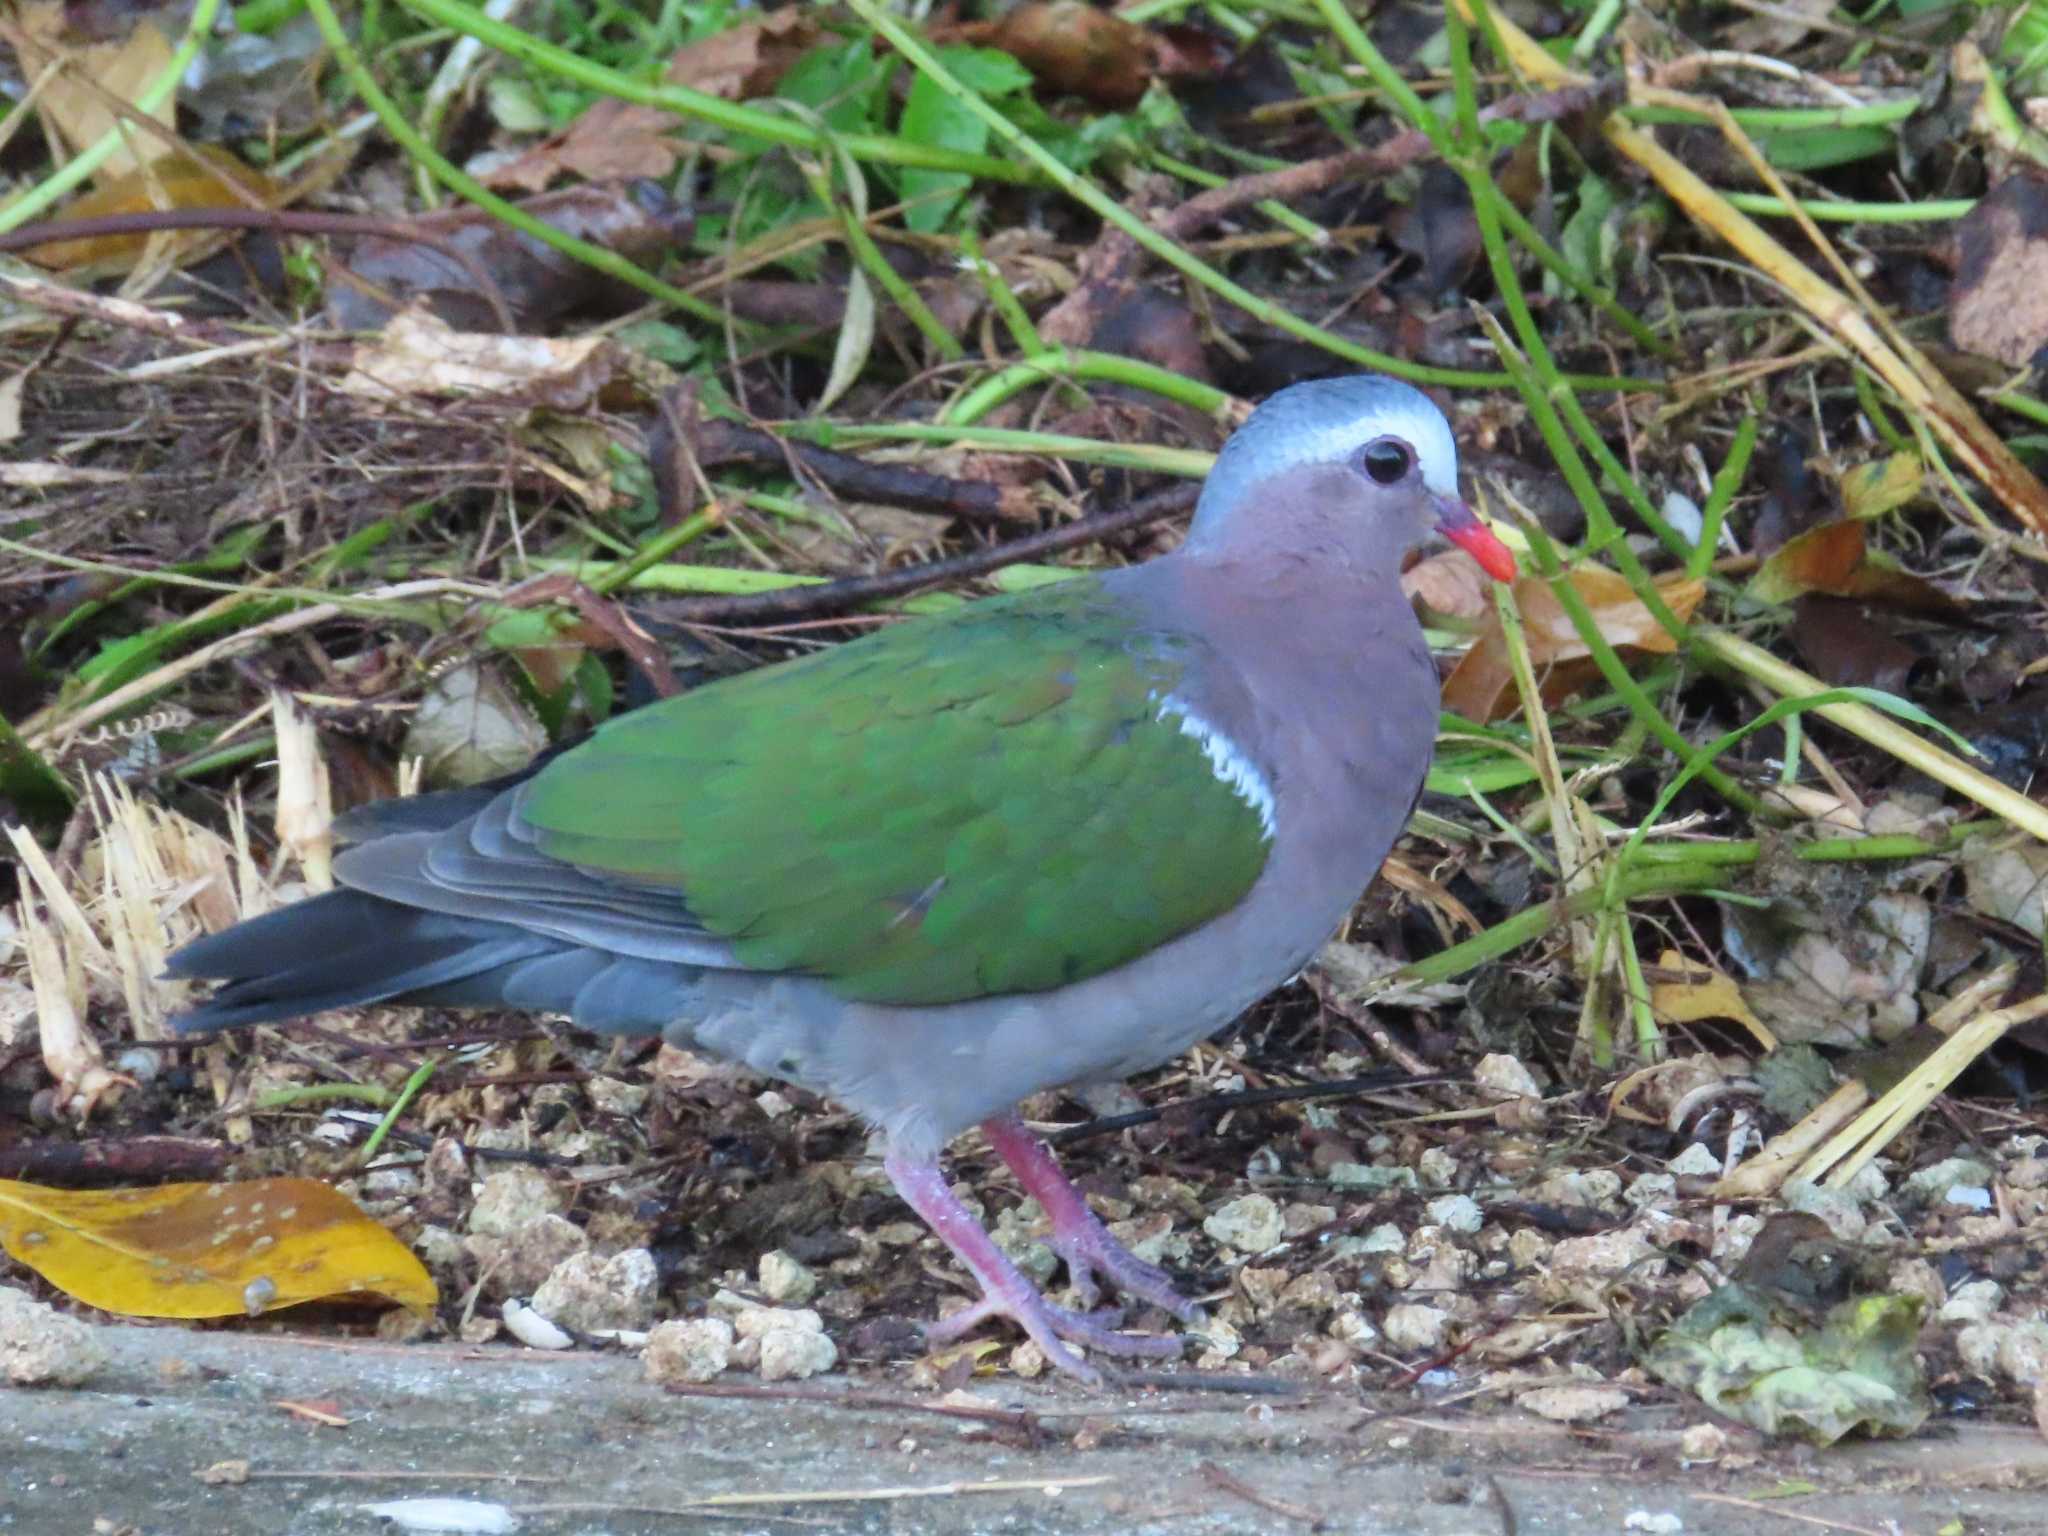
pixel 77 108
pixel 1481 687
pixel 747 60
pixel 1999 304
pixel 1074 49
pixel 1843 644
pixel 207 1250
pixel 201 176
pixel 1836 559
pixel 1450 583
pixel 535 282
pixel 613 141
pixel 417 354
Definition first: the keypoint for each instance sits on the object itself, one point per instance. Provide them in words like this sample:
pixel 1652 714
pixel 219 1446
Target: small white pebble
pixel 531 1329
pixel 1249 1224
pixel 791 1354
pixel 1684 516
pixel 471 1516
pixel 785 1279
pixel 1506 1076
pixel 1412 1327
pixel 1696 1161
pixel 689 1350
pixel 1385 1238
pixel 1456 1213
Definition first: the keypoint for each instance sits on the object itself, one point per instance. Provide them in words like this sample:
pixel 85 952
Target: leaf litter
pixel 1418 1240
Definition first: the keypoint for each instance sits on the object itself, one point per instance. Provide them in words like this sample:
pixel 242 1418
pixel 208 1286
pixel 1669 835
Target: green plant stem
pixel 1887 735
pixel 1726 483
pixel 1827 850
pixel 322 1093
pixel 260 16
pixel 1937 211
pixel 1669 869
pixel 1555 262
pixel 406 1095
pixel 1107 208
pixel 52 189
pixel 733 117
pixel 659 576
pixel 1640 704
pixel 1533 922
pixel 1003 299
pixel 861 245
pixel 621 573
pixel 2022 405
pixel 453 177
pixel 1077 363
pixel 1880 419
pixel 1869 115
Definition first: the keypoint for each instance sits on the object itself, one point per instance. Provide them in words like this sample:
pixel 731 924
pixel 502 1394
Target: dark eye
pixel 1386 461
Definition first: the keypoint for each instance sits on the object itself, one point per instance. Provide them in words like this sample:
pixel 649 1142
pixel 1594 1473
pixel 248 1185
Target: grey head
pixel 1362 467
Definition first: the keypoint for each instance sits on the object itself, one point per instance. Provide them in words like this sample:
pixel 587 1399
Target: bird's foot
pixel 1045 1321
pixel 1006 1291
pixel 1078 1235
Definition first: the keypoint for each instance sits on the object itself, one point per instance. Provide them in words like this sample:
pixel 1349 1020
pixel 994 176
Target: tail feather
pixel 347 948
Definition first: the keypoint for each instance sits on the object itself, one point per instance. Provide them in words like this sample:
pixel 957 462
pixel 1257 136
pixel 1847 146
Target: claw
pixel 1006 1291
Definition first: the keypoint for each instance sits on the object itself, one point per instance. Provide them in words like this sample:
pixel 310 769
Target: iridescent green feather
pixel 950 809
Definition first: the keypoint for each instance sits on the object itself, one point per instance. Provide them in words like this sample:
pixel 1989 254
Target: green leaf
pixel 1589 238
pixel 934 118
pixel 1813 149
pixel 35 789
pixel 841 83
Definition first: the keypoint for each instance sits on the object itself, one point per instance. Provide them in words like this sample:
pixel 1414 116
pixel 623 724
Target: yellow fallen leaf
pixel 1882 485
pixel 207 1250
pixel 1704 994
pixel 199 176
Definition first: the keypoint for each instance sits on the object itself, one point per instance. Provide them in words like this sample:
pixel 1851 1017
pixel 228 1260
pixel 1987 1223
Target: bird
pixel 1049 838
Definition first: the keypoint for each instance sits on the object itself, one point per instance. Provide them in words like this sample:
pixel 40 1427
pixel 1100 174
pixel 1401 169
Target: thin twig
pixel 837 596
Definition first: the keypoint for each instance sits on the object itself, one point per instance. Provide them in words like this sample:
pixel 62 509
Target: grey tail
pixel 347 948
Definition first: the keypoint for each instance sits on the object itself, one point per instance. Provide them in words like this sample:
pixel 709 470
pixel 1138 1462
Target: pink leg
pixel 1005 1290
pixel 1078 1235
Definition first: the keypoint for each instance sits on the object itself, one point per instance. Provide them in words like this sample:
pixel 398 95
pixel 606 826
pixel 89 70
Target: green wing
pixel 949 809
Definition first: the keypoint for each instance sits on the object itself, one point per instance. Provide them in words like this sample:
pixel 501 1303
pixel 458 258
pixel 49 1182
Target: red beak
pixel 1457 522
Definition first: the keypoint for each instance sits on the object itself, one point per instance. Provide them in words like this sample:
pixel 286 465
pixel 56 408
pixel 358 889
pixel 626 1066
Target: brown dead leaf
pixel 1481 687
pixel 417 354
pixel 1072 49
pixel 1999 304
pixel 747 60
pixel 1843 644
pixel 1450 583
pixel 207 1250
pixel 2007 878
pixel 613 141
pixel 198 176
pixel 638 220
pixel 1836 559
pixel 78 107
